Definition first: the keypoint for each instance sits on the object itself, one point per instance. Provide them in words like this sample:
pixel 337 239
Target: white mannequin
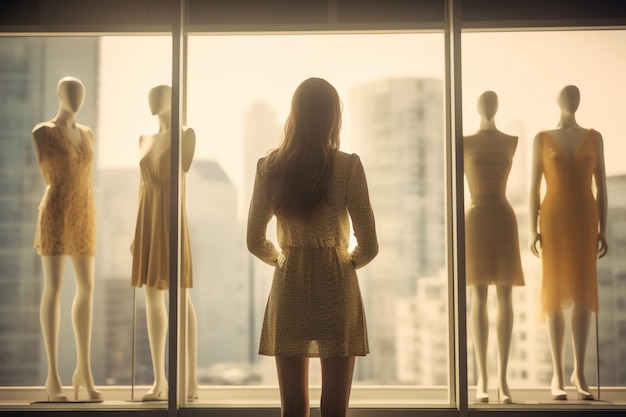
pixel 71 93
pixel 157 319
pixel 569 136
pixel 490 139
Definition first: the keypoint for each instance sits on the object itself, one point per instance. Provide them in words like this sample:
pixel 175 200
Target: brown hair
pixel 298 172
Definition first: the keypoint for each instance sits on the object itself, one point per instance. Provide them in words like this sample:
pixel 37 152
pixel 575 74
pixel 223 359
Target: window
pixel 526 71
pixel 238 115
pixel 394 120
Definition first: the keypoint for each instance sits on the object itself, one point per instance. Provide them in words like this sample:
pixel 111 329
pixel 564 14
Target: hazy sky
pixel 228 73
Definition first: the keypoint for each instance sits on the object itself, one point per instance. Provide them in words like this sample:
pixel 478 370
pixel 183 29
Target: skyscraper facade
pixel 398 132
pixel 29 71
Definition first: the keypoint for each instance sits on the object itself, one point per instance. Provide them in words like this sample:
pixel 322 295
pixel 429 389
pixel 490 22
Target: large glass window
pixel 391 85
pixel 117 73
pixel 527 70
pixel 238 90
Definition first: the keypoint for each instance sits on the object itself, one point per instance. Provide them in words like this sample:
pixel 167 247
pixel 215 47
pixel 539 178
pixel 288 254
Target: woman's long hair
pixel 298 172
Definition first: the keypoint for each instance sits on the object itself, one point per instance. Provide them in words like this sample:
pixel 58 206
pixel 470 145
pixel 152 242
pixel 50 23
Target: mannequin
pixel 150 247
pixel 568 232
pixel 492 246
pixel 67 227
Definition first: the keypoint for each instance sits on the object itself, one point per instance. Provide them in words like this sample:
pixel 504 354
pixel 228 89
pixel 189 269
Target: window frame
pixel 170 17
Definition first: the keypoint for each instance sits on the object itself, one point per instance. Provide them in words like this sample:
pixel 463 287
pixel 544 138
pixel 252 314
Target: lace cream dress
pixel 67 213
pixel 314 306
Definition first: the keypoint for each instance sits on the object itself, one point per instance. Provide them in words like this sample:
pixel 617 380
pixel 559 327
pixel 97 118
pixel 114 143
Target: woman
pixel 314 307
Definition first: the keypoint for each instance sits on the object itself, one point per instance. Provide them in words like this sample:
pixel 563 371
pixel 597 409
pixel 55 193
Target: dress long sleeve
pixel 362 216
pixel 259 215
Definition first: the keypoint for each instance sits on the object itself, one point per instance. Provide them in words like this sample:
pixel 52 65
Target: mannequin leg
pixel 556 335
pixel 581 320
pixel 504 329
pixel 49 316
pixel 192 351
pixel 480 326
pixel 82 310
pixel 156 316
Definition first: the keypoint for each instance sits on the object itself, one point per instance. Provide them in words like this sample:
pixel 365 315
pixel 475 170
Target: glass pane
pixel 391 85
pixel 527 71
pixel 117 73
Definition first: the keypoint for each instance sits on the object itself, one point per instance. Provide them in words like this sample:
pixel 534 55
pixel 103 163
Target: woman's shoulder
pixel 345 158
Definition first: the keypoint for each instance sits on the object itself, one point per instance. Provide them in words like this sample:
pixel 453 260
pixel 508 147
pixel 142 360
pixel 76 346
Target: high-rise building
pixel 612 289
pixel 218 256
pixel 261 132
pixel 30 68
pixel 398 131
pixel 120 340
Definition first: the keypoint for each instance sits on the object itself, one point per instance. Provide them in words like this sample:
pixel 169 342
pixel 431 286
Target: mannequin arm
pixel 40 138
pixel 535 185
pixel 601 197
pixel 188 147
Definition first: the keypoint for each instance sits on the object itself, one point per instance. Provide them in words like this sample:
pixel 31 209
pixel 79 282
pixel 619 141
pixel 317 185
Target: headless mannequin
pixel 487 137
pixel 71 93
pixel 569 136
pixel 156 312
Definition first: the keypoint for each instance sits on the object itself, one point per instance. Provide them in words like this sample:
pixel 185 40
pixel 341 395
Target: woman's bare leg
pixel 336 385
pixel 293 381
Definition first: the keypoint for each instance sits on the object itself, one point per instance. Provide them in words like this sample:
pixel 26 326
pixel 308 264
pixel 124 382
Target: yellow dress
pixel 568 223
pixel 150 248
pixel 314 307
pixel 67 212
pixel 491 238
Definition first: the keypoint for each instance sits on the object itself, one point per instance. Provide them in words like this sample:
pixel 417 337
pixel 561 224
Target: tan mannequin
pixel 151 148
pixel 571 143
pixel 492 246
pixel 65 151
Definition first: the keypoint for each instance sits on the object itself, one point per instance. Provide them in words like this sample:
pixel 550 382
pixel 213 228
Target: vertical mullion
pixel 456 210
pixel 174 220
